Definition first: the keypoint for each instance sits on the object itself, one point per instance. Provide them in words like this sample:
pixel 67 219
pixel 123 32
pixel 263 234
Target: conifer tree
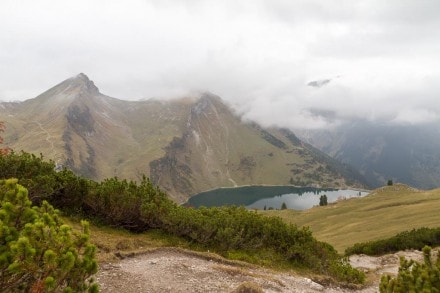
pixel 323 200
pixel 38 253
pixel 414 276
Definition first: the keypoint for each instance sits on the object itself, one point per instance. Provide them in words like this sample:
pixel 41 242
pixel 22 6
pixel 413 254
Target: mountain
pixel 185 145
pixel 405 153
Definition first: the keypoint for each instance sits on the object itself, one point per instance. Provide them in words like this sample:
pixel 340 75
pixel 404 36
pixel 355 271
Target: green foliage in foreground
pixel 414 239
pixel 235 228
pixel 37 252
pixel 414 276
pixel 142 206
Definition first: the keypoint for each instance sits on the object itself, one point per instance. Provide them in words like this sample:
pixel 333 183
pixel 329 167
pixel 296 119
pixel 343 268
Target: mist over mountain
pixel 408 153
pixel 184 145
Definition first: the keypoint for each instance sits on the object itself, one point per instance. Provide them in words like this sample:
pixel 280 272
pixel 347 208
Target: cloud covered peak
pixel 274 60
pixel 85 83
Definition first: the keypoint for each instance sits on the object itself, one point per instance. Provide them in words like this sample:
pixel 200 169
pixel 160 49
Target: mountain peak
pixel 84 81
pixel 208 101
pixel 82 76
pixel 208 96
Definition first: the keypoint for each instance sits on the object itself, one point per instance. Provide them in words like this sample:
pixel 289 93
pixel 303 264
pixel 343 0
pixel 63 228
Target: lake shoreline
pixel 277 185
pixel 252 195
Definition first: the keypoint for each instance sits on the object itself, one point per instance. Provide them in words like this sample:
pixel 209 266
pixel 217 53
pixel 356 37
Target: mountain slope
pixel 185 145
pixel 404 153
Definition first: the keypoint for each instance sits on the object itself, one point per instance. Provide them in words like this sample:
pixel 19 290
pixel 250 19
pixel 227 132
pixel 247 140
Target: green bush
pixel 126 204
pixel 34 173
pixel 414 239
pixel 37 251
pixel 226 229
pixel 142 206
pixel 414 276
pixel 62 189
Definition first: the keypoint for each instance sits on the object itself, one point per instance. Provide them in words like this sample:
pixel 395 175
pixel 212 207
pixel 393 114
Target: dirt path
pixel 50 141
pixel 174 270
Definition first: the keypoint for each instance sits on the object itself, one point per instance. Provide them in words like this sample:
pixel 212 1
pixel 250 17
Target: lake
pixel 258 197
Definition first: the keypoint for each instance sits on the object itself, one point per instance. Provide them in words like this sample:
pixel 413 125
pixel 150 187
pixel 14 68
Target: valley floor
pixel 178 270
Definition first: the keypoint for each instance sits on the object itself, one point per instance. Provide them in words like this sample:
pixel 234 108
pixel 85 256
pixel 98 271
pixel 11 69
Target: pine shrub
pixel 142 206
pixel 414 276
pixel 413 239
pixel 38 253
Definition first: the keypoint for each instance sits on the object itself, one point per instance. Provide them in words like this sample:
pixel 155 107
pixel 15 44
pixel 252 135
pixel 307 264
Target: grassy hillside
pixel 384 213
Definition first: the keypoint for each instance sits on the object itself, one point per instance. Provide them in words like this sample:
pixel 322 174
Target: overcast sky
pixel 374 59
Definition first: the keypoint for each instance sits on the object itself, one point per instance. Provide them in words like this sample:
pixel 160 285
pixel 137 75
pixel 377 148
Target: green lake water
pixel 258 197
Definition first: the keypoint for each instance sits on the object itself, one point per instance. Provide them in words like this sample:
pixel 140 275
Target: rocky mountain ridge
pixel 184 145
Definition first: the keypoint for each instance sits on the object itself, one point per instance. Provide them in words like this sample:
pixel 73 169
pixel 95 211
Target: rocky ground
pixel 175 270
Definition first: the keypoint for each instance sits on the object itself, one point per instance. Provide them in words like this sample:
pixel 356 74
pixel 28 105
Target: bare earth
pixel 176 270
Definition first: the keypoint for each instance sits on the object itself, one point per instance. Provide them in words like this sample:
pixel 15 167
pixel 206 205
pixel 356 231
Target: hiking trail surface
pixel 178 270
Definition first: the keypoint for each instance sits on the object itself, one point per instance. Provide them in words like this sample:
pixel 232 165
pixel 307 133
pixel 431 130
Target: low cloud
pixel 319 83
pixel 415 116
pixel 301 64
